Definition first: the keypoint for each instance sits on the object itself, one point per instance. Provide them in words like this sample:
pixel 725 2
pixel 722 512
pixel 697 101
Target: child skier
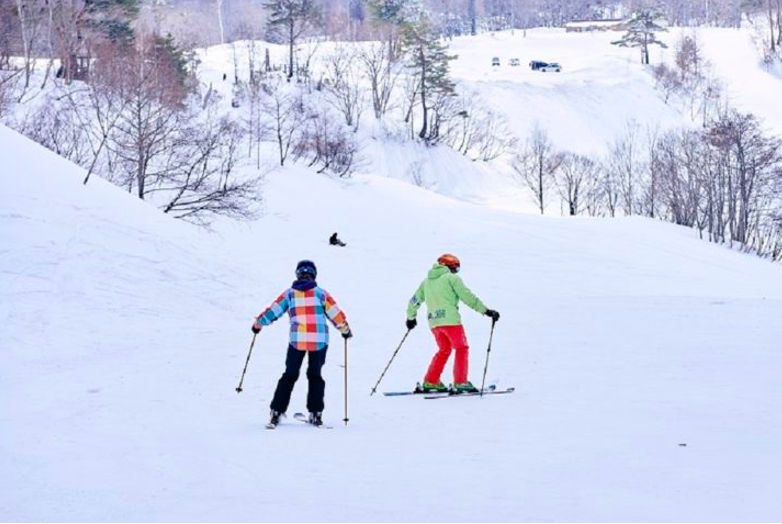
pixel 442 290
pixel 308 307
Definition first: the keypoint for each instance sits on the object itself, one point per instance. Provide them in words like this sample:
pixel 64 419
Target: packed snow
pixel 645 360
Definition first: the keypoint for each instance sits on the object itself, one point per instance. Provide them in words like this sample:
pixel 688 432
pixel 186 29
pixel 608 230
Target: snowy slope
pixel 124 335
pixel 601 90
pixel 751 85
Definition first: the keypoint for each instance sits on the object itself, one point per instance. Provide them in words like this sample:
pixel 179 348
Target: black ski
pixel 490 387
pixel 475 394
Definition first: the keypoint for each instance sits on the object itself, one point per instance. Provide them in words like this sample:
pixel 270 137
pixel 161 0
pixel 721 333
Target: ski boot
pixel 464 387
pixel 274 419
pixel 431 387
pixel 316 419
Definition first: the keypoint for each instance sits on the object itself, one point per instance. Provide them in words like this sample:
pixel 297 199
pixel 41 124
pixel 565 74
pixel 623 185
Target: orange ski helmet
pixel 450 261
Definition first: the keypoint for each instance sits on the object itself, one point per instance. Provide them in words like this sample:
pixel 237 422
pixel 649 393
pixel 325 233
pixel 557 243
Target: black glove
pixel 411 323
pixel 256 329
pixel 347 335
pixel 495 316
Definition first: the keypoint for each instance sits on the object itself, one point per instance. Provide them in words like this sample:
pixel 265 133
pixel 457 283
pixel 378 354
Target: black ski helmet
pixel 306 267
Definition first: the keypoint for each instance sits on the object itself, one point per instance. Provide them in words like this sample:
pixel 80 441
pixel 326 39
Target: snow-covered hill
pixel 601 90
pixel 645 362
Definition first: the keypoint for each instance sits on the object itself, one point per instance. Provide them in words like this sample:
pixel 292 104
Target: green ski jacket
pixel 442 291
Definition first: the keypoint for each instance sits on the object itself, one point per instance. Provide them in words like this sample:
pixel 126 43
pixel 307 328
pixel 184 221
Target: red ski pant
pixel 449 338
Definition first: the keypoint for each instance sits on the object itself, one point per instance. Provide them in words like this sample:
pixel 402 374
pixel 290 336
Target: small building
pixel 586 26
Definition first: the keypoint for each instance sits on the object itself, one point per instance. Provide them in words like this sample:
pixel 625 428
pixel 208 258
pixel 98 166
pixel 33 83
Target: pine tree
pixel 289 19
pixel 642 32
pixel 429 59
pixel 398 12
pixel 396 16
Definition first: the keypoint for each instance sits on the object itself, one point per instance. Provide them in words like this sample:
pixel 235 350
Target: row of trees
pixel 139 123
pixel 724 179
pixel 68 29
pixel 39 25
pixel 351 19
pixel 407 56
pixel 139 114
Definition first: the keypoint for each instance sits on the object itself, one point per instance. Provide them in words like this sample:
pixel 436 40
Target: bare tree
pixel 675 165
pixel 343 85
pixel 102 103
pixel 411 91
pixel 536 165
pixel 199 181
pixel 476 130
pixel 31 21
pixel 415 172
pixel 8 81
pixel 59 129
pixel 593 197
pixel 153 94
pixel 382 73
pixel 752 161
pixel 574 177
pixel 8 30
pixel 288 114
pixel 328 143
pixel 625 162
pixel 610 188
pixel 255 125
pixel 667 80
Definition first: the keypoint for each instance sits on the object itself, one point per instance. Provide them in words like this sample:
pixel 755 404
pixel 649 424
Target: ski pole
pixel 374 389
pixel 486 366
pixel 346 382
pixel 239 389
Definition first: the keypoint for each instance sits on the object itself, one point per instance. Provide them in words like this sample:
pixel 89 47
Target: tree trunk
pixel 220 24
pixel 422 133
pixel 779 23
pixel 291 41
pixel 473 25
pixel 140 175
pixel 773 45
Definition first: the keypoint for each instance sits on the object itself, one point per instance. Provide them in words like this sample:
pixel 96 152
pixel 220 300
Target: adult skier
pixel 335 241
pixel 442 289
pixel 308 306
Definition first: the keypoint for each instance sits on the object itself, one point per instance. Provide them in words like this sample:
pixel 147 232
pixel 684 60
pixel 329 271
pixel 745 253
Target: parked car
pixel 495 61
pixel 537 65
pixel 515 62
pixel 553 66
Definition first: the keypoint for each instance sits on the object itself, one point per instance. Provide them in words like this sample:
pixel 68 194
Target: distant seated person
pixel 334 241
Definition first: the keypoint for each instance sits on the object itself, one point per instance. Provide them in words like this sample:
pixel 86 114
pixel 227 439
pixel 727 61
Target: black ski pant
pixel 317 386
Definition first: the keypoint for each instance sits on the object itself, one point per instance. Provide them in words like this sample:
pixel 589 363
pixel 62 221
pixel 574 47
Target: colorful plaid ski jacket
pixel 308 306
